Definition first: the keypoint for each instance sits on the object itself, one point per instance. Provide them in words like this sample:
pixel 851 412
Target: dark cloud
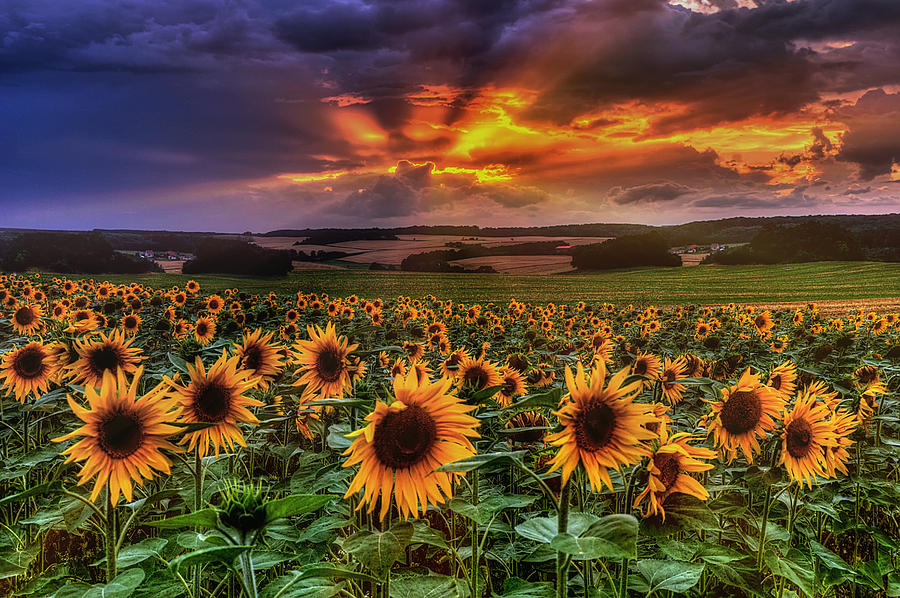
pixel 873 138
pixel 649 193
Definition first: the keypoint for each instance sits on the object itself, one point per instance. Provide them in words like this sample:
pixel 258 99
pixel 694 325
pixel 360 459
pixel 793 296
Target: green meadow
pixel 818 281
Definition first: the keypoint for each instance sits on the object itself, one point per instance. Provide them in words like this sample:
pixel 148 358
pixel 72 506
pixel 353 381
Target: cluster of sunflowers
pixel 153 375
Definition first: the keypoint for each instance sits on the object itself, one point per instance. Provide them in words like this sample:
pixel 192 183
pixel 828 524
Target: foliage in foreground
pixel 167 441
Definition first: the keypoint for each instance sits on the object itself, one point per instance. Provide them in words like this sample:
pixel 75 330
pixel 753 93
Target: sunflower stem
pixel 109 521
pixel 198 498
pixel 562 525
pixel 762 527
pixel 475 556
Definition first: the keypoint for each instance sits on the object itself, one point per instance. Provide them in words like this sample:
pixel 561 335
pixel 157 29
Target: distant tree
pixel 810 241
pixel 648 249
pixel 231 256
pixel 69 252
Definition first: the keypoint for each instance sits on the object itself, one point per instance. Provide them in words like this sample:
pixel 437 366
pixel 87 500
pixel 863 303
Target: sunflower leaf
pixel 675 576
pixel 545 399
pixel 203 518
pixel 378 551
pixel 296 504
pixel 40 489
pixel 478 461
pixel 218 554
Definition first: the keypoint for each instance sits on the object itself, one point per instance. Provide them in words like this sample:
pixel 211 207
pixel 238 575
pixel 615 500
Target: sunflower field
pixel 172 442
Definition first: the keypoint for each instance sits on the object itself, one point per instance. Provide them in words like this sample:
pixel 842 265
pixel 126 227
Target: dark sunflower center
pixel 640 368
pixel 865 375
pixel 402 438
pixel 741 412
pixel 776 382
pixel 202 329
pixel 130 322
pixel 476 377
pixel 760 322
pixel 24 316
pixel 252 358
pixel 212 403
pixel 668 467
pixel 329 365
pixel 121 435
pixel 595 426
pixel 104 358
pixel 670 377
pixel 509 387
pixel 798 438
pixel 28 363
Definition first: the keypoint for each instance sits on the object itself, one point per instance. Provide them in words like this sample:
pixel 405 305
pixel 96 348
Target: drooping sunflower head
pixel 603 427
pixel 260 356
pixel 748 411
pixel 646 365
pixel 204 330
pixel 108 353
pixel 783 379
pixel 450 367
pixel 669 472
pixel 478 374
pixel 763 322
pixel 513 385
pixel 27 319
pixel 403 444
pixel 123 436
pixel 528 427
pixel 28 369
pixel 323 362
pixel 216 396
pixel 808 431
pixel 672 371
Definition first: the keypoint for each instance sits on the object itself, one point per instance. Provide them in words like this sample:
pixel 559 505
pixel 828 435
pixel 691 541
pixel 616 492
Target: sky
pixel 234 115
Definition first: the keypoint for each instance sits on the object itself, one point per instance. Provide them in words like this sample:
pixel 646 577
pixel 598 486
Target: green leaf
pixel 543 529
pixel 515 587
pixel 122 586
pixel 337 437
pixel 424 586
pixel 478 461
pixel 179 363
pixel 218 554
pixel 202 518
pixel 800 574
pixel 296 504
pixel 675 576
pixel 486 509
pixel 545 399
pixel 143 550
pixel 425 534
pixel 683 513
pixel 828 558
pixel 613 536
pixel 378 551
pixel 40 489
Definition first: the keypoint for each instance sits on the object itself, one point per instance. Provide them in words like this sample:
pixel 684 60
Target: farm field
pixel 259 441
pixel 797 283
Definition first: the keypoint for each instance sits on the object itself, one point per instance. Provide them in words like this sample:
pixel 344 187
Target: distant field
pixel 822 281
pixel 520 264
pixel 394 252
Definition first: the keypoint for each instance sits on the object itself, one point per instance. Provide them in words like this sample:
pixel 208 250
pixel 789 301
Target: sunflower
pixel 28 369
pixel 216 397
pixel 27 319
pixel 843 423
pixel 669 468
pixel 131 323
pixel 323 362
pixel 747 411
pixel 306 413
pixel 192 286
pixel 604 428
pixel 204 330
pixel 259 356
pixel 808 431
pixel 105 354
pixel 478 374
pixel 646 365
pixel 513 385
pixel 763 323
pixel 413 350
pixel 528 427
pixel 783 379
pixel 123 435
pixel 671 372
pixel 214 304
pixel 868 378
pixel 450 366
pixel 403 444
